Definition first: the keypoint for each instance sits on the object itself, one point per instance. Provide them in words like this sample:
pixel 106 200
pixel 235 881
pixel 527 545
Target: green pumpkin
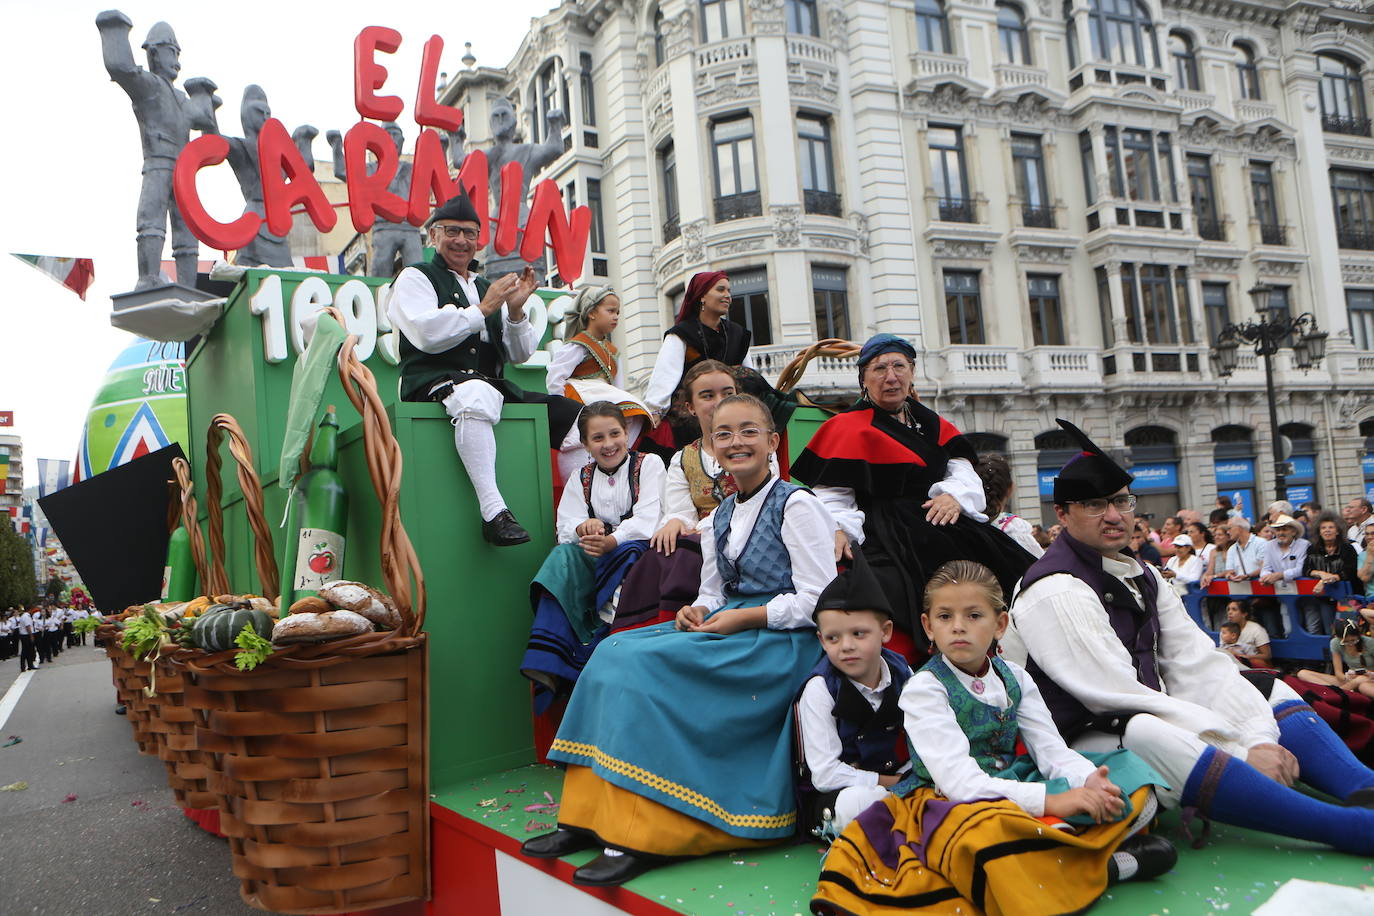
pixel 222 608
pixel 216 631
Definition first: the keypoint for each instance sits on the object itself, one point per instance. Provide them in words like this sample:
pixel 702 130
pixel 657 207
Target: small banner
pixel 76 274
pixel 6 418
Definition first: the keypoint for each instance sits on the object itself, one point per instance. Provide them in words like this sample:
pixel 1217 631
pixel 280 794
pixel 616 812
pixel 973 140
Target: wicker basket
pixel 130 677
pixel 321 753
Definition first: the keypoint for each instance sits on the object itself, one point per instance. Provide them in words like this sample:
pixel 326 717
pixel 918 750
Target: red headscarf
pixel 696 288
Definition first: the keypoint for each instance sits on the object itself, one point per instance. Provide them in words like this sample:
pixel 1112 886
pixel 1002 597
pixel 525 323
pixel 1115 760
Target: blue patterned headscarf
pixel 879 344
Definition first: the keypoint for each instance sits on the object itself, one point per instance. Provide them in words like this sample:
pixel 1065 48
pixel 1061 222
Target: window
pixel 737 182
pixel 830 289
pixel 1028 161
pixel 1104 307
pixel 570 195
pixel 1216 308
pixel 584 81
pixel 658 38
pixel 1280 303
pixel 801 17
pixel 1352 193
pixel 1203 196
pixel 1085 152
pixel 947 175
pixel 1266 203
pixel 1183 302
pixel 963 307
pixel 598 230
pixel 667 173
pixel 1156 303
pixel 547 89
pixel 1072 32
pixel 1185 61
pixel 1342 95
pixel 1360 304
pixel 1122 33
pixel 749 304
pixel 1247 72
pixel 932 29
pixel 817 165
pixel 721 19
pixel 1046 313
pixel 1011 34
pixel 1135 172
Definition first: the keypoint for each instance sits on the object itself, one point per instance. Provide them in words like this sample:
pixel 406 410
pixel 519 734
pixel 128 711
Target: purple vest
pixel 1136 627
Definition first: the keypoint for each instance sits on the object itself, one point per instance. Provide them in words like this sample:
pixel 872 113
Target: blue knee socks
pixel 1326 762
pixel 1231 791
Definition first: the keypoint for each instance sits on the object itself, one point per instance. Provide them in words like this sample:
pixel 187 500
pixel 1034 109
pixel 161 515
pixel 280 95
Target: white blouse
pixel 944 748
pixel 677 492
pixel 808 532
pixel 416 312
pixel 611 500
pixel 672 354
pixel 1190 572
pixel 961 481
pixel 565 361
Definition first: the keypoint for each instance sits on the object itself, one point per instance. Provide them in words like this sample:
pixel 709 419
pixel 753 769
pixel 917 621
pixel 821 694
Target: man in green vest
pixel 458 330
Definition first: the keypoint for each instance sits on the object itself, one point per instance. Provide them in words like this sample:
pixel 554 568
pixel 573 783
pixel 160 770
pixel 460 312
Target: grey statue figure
pixel 392 239
pixel 165 118
pixel 531 156
pixel 265 249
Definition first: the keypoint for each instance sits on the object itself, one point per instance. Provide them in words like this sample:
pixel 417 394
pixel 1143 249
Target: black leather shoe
pixel 120 710
pixel 1360 798
pixel 556 845
pixel 504 530
pixel 609 871
pixel 1153 855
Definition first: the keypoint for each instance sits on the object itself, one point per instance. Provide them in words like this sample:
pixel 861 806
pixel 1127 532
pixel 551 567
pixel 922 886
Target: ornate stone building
pixel 1062 203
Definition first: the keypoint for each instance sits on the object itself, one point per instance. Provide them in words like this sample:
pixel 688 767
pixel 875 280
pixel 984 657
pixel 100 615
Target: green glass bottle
pixel 319 517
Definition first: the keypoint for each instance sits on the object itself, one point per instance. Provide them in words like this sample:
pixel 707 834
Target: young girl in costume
pixel 678 737
pixel 927 841
pixel 605 516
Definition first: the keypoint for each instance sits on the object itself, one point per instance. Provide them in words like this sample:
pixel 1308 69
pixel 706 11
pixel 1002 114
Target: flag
pixel 323 263
pixel 6 418
pixel 74 273
pixel 53 475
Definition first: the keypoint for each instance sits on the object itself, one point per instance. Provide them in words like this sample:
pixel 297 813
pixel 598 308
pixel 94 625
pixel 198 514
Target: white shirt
pixel 961 481
pixel 672 354
pixel 416 312
pixel 1061 623
pixel 611 500
pixel 944 748
pixel 566 359
pixel 1019 530
pixel 820 740
pixel 1247 560
pixel 24 623
pixel 54 622
pixel 677 492
pixel 1287 560
pixel 1190 573
pixel 808 532
pixel 1353 533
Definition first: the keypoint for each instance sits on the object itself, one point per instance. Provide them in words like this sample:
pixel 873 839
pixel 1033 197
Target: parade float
pixel 395 763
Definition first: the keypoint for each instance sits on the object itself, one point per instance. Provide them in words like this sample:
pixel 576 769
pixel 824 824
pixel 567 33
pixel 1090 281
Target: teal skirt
pixel 699 722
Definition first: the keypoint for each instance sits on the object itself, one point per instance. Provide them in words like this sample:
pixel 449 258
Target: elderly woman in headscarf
pixel 900 481
pixel 586 369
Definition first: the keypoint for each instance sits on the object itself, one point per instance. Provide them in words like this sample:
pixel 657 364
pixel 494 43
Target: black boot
pixel 1140 858
pixel 556 845
pixel 611 871
pixel 504 530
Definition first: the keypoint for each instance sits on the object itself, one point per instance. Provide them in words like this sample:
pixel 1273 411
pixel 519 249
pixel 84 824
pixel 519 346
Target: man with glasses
pixel 458 331
pixel 1245 558
pixel 1121 665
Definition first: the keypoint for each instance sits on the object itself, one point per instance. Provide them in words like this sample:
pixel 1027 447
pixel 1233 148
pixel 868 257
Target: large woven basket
pixel 130 677
pixel 320 755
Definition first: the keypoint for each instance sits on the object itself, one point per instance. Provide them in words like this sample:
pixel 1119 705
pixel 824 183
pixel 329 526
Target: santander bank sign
pixel 287 182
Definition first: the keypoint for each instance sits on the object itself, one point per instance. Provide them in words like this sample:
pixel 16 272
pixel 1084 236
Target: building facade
pixel 11 477
pixel 1061 203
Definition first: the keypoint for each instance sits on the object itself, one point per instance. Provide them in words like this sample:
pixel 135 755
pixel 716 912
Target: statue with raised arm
pixel 165 117
pixel 531 156
pixel 265 249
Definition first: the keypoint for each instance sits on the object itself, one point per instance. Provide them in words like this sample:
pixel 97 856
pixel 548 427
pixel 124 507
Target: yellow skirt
pixel 926 854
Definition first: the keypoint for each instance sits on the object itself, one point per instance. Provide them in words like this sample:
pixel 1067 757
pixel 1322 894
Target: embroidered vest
pixel 730 344
pixel 421 371
pixel 1137 628
pixel 991 732
pixel 636 461
pixel 764 566
pixel 601 359
pixel 706 491
pixel 870 739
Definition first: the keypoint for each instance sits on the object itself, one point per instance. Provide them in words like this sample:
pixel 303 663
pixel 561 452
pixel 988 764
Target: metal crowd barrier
pixel 1298 644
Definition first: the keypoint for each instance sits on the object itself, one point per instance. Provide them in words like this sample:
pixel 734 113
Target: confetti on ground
pixel 487 803
pixel 542 808
pixel 12 740
pixel 532 826
pixel 519 791
pixel 69 798
pixel 138 803
pixel 14 787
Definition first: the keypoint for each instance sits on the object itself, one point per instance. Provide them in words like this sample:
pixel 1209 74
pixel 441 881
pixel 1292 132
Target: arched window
pixel 932 28
pixel 1247 72
pixel 1184 60
pixel 1011 34
pixel 1072 32
pixel 658 38
pixel 1343 108
pixel 1122 33
pixel 546 99
pixel 801 17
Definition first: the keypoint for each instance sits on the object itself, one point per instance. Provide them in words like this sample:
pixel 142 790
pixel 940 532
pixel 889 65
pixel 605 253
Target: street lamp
pixel 1267 336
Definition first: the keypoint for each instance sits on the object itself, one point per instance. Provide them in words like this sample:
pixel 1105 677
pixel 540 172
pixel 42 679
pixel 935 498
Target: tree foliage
pixel 17 584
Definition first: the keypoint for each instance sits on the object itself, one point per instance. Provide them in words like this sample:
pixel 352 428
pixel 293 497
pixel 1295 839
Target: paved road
pixel 123 846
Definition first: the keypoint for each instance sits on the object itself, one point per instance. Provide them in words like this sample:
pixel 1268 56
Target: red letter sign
pixel 428 111
pixel 207 150
pixel 368 75
pixel 368 194
pixel 429 177
pixel 286 181
pixel 569 241
pixel 508 218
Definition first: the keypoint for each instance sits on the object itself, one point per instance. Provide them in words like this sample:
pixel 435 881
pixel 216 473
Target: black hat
pixel 1090 474
pixel 459 208
pixel 855 589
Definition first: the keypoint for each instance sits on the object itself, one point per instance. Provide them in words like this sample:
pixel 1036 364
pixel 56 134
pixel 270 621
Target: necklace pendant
pixel 977 686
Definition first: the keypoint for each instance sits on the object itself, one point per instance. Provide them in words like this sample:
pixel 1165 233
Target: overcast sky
pixel 70 157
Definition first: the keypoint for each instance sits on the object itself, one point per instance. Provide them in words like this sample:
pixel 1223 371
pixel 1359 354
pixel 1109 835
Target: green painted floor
pixel 1236 872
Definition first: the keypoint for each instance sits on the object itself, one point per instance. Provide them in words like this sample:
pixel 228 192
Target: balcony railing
pixel 1064 367
pixel 671 229
pixel 1213 230
pixel 956 210
pixel 982 367
pixel 826 203
pixel 1362 239
pixel 1273 234
pixel 1037 217
pixel 738 206
pixel 1339 124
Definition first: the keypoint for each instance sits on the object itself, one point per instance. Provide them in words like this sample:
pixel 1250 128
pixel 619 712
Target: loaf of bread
pixel 311 605
pixel 362 599
pixel 319 627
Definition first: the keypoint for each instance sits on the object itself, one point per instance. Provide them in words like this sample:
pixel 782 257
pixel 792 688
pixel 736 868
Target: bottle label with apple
pixel 319 558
